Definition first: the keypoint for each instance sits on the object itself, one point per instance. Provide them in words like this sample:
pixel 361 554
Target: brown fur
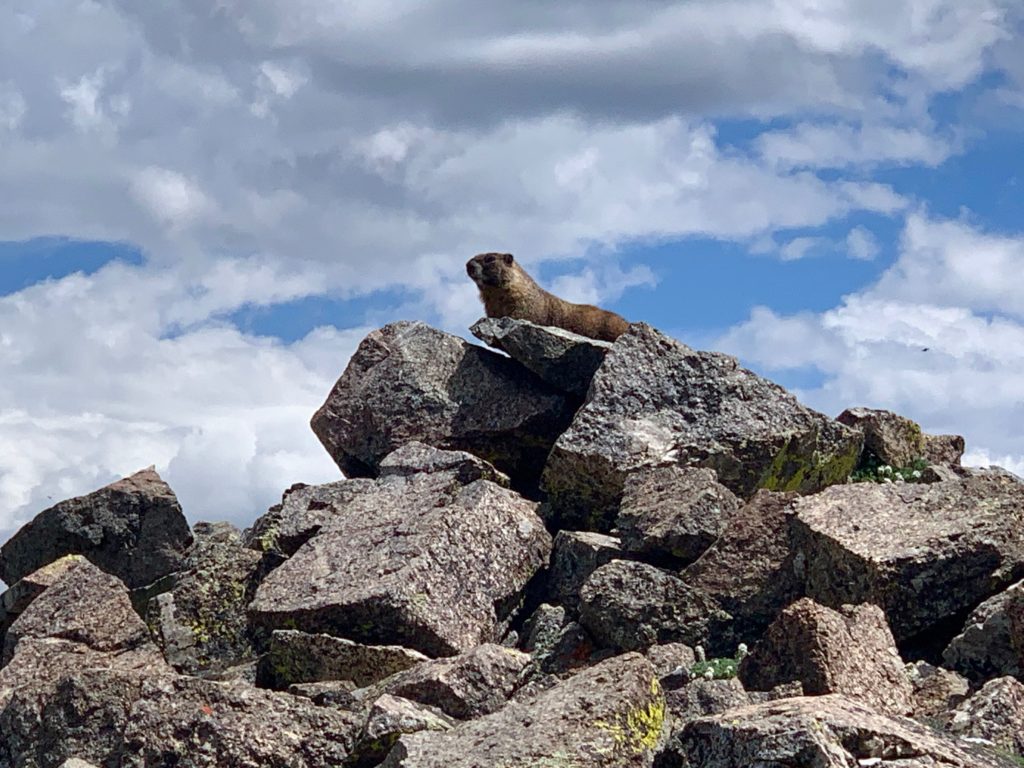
pixel 508 291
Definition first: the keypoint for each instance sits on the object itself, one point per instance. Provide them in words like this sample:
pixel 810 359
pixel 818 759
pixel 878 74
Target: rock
pixel 992 641
pixel 669 658
pixel 389 718
pixel 577 554
pixel 203 724
pixel 815 731
pixel 133 529
pixel 671 515
pixel 565 360
pixel 608 716
pixel 301 514
pixel 415 457
pixel 472 684
pixel 298 657
pixel 333 693
pixel 631 606
pixel 74 762
pixel 420 561
pixel 556 644
pixel 201 624
pixel 924 553
pixel 995 713
pixel 655 401
pixel 700 698
pixel 936 690
pixel 851 652
pixel 753 570
pixel 944 450
pixel 21 594
pixel 83 605
pixel 408 382
pixel 888 437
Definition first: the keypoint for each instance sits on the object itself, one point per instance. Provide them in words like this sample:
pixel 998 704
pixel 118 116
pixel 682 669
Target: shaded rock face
pixel 389 718
pixel 578 554
pixel 944 450
pixel 700 698
pixel 201 624
pixel 420 560
pixel 991 643
pixel 851 652
pixel 655 401
pixel 408 382
pixel 630 606
pixel 924 553
pixel 888 437
pixel 610 715
pixel 563 359
pixel 753 571
pixel 133 529
pixel 995 714
pixel 671 515
pixel 298 657
pixel 814 731
pixel 936 690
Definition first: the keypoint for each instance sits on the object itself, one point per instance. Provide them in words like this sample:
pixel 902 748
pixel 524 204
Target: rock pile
pixel 572 554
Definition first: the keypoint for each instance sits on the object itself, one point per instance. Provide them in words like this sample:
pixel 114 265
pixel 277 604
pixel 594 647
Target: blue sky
pixel 206 208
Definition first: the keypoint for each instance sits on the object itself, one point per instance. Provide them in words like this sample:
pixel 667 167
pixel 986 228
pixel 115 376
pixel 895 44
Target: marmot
pixel 507 291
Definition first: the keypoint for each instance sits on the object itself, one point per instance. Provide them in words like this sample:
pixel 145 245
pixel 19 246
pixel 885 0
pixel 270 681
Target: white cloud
pixel 809 145
pixel 169 196
pixel 861 244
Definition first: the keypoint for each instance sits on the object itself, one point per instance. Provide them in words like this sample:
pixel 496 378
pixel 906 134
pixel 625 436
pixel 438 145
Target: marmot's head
pixel 491 269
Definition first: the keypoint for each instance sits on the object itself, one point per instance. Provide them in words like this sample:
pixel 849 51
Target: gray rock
pixel 201 624
pixel 995 713
pixel 466 686
pixel 389 718
pixel 577 554
pixel 888 437
pixel 609 716
pixel 669 658
pixel 936 690
pixel 298 657
pixel 203 724
pixel 815 731
pixel 671 515
pixel 22 593
pixel 133 529
pixel 631 606
pixel 944 450
pixel 655 401
pixel 700 698
pixel 991 643
pixel 753 570
pixel 924 553
pixel 565 360
pixel 415 457
pixel 420 561
pixel 556 643
pixel 408 382
pixel 332 693
pixel 74 762
pixel 851 652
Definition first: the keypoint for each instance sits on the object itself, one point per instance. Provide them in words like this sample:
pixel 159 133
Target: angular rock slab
pixel 888 437
pixel 611 715
pixel 827 731
pixel 995 713
pixel 420 561
pixel 389 718
pixel 408 382
pixel 936 690
pixel 673 514
pixel 924 553
pixel 297 657
pixel 577 555
pixel 851 652
pixel 21 594
pixel 632 606
pixel 201 624
pixel 565 360
pixel 992 641
pixel 133 529
pixel 655 402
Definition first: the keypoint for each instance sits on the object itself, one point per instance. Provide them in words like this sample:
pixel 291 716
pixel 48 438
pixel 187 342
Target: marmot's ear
pixel 507 258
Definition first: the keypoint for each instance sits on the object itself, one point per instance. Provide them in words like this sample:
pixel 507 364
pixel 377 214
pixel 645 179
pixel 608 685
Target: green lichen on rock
pixel 640 730
pixel 795 468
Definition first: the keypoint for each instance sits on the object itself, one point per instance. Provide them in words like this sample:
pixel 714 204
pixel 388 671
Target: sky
pixel 205 206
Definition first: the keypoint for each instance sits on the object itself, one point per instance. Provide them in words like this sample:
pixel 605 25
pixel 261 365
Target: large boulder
pixel 826 731
pixel 133 528
pixel 752 571
pixel 408 382
pixel 419 560
pixel 631 606
pixel 995 714
pixel 21 594
pixel 888 437
pixel 565 360
pixel 609 716
pixel 924 553
pixel 851 652
pixel 991 643
pixel 671 515
pixel 201 623
pixel 655 401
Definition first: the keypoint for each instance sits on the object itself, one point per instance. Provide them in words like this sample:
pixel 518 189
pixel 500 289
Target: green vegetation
pixel 718 669
pixel 872 470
